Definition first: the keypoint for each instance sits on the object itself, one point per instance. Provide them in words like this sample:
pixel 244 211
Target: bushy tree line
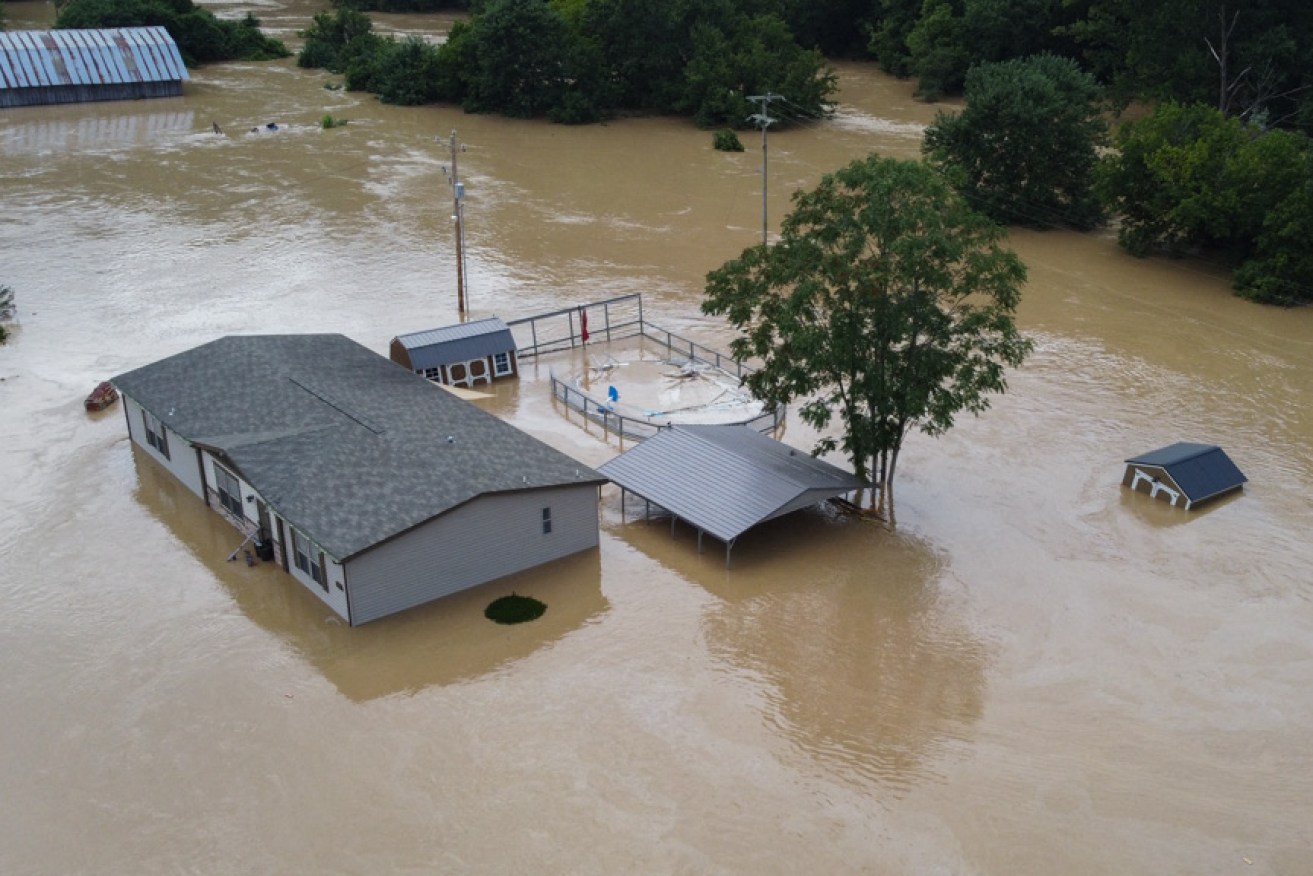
pixel 201 37
pixel 1250 58
pixel 584 60
pixel 1189 179
pixel 1026 150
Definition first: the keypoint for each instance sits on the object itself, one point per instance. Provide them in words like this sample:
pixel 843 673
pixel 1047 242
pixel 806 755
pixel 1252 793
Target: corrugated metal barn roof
pixel 1200 470
pixel 50 58
pixel 457 343
pixel 726 479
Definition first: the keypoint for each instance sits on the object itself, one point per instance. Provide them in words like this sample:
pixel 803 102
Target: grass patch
pixel 514 609
pixel 328 122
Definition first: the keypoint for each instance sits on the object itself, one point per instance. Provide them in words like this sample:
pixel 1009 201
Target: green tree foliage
pixel 1250 59
pixel 201 37
pixel 583 60
pixel 750 56
pixel 1281 270
pixel 887 300
pixel 1189 179
pixel 939 40
pixel 1024 149
pixel 329 35
pixel 401 5
pixel 836 28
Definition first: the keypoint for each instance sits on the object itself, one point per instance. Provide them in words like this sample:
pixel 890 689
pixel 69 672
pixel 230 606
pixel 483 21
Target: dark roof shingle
pixel 341 442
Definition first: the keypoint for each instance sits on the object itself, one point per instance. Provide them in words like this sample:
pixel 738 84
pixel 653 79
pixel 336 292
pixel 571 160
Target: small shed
pixel 73 66
pixel 725 479
pixel 478 351
pixel 1183 472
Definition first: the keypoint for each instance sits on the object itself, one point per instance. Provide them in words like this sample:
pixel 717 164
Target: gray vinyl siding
pixel 181 461
pixel 485 539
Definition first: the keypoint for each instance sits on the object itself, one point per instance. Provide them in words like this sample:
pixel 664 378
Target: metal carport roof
pixel 724 480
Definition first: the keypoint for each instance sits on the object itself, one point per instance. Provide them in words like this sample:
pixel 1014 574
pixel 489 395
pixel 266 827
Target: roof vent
pixel 451 439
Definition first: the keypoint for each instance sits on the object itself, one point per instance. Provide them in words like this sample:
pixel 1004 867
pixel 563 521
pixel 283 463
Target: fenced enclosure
pixel 617 319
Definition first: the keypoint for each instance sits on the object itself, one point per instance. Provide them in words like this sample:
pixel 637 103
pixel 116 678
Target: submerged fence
pixel 618 319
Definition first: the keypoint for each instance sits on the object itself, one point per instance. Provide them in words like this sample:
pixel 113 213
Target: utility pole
pixel 457 217
pixel 763 119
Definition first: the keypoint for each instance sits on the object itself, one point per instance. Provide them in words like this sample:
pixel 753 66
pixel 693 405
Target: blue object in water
pixel 613 393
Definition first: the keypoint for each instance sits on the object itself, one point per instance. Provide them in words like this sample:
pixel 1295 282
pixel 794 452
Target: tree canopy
pixel 585 60
pixel 1189 179
pixel 887 300
pixel 201 37
pixel 1024 149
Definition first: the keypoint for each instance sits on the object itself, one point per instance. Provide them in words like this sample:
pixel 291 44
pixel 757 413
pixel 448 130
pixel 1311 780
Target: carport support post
pixel 699 541
pixel 729 546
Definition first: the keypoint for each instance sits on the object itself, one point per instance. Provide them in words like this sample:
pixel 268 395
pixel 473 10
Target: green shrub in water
pixel 727 141
pixel 514 609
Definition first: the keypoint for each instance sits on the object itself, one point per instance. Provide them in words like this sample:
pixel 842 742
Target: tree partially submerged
pixel 887 301
pixel 1024 149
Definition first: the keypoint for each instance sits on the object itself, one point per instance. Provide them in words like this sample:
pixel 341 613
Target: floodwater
pixel 1038 673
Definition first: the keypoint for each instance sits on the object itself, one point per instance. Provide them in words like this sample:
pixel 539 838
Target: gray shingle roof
pixel 344 444
pixel 458 343
pixel 725 479
pixel 1200 470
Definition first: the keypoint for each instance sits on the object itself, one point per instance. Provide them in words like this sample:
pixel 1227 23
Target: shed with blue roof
pixel 1184 473
pixel 73 66
pixel 478 351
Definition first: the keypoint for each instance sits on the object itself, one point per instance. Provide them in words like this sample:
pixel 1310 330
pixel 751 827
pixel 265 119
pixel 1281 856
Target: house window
pixel 155 435
pixel 501 364
pixel 230 490
pixel 547 521
pixel 432 374
pixel 309 559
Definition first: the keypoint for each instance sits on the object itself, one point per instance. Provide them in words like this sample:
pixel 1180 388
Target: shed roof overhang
pixel 724 480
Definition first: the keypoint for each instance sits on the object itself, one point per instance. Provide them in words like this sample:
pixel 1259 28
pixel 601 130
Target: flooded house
pixel 368 485
pixel 74 66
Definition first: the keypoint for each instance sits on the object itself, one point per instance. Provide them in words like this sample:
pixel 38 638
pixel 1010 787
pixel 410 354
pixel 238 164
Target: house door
pixel 264 545
pixel 282 542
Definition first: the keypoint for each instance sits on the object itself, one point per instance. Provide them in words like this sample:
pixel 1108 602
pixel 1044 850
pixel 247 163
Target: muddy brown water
pixel 1037 673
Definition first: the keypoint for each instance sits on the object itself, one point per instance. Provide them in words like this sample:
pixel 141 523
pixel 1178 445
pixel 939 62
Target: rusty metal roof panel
pixel 109 56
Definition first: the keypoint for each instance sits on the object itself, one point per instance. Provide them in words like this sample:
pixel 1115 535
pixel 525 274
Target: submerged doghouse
pixel 73 66
pixel 478 351
pixel 1183 473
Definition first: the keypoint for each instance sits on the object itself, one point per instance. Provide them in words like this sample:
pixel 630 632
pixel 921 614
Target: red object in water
pixel 583 324
pixel 101 397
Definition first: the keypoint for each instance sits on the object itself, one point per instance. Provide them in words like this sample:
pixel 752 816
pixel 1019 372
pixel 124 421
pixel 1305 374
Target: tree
pixel 1281 271
pixel 1025 147
pixel 887 300
pixel 1187 178
pixel 201 37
